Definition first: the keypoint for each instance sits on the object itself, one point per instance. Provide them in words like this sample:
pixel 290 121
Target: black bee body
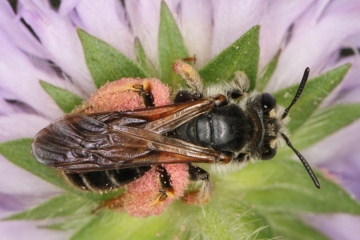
pixel 104 151
pixel 224 128
pixel 106 180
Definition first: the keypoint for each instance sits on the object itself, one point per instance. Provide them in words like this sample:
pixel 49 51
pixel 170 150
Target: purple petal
pixel 144 20
pixel 197 29
pixel 349 89
pixel 337 226
pixel 316 37
pixel 277 19
pixel 20 125
pixel 342 160
pixel 15 30
pixel 24 230
pixel 232 19
pixel 59 38
pixel 20 183
pixel 107 22
pixel 20 80
pixel 67 6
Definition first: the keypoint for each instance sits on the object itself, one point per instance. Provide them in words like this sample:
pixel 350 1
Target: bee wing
pixel 103 141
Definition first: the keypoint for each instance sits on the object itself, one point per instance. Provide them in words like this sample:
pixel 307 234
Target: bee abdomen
pixel 105 180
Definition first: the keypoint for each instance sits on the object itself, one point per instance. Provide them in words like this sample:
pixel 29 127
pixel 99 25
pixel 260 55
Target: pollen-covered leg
pixel 115 204
pixel 204 194
pixel 190 75
pixel 144 90
pixel 166 190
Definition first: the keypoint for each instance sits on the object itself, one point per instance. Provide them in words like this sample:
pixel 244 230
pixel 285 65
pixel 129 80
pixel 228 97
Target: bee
pixel 222 125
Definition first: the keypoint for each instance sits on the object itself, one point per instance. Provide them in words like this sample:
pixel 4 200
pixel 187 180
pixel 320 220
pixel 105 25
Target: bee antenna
pixel 298 93
pixel 303 161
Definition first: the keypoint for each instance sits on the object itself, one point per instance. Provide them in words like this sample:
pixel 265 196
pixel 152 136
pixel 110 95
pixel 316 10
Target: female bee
pixel 222 125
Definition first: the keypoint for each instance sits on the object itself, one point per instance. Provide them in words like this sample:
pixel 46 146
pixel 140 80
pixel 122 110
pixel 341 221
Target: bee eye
pixel 268 101
pixel 268 153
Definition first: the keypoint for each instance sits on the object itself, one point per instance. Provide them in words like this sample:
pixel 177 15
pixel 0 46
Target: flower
pixel 40 42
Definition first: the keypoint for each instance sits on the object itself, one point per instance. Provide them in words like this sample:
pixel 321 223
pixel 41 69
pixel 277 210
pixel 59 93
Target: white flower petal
pixel 314 41
pixel 233 18
pixel 197 29
pixel 60 40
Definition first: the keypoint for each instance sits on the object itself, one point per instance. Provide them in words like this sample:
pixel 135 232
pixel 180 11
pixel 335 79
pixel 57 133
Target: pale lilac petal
pixel 233 18
pixel 349 89
pixel 347 171
pixel 314 41
pixel 144 20
pixel 20 80
pixel 277 20
pixel 25 230
pixel 15 30
pixel 5 107
pixel 20 125
pixel 106 20
pixel 60 40
pixel 336 226
pixel 197 29
pixel 19 182
pixel 144 17
pixel 339 149
pixel 67 6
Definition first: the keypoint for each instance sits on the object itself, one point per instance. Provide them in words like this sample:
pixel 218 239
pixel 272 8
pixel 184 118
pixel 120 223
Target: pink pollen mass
pixel 142 196
pixel 118 96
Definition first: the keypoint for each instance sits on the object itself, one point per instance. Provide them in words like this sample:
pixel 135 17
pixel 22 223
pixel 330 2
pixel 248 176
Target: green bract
pixel 263 200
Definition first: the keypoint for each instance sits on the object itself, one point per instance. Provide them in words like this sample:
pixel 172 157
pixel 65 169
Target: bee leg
pixel 190 75
pixel 144 90
pixel 204 194
pixel 238 86
pixel 166 190
pixel 115 204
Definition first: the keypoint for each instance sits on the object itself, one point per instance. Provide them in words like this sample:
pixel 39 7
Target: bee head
pixel 270 110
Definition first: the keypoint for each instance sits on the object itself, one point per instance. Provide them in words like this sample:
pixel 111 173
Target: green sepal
pixel 66 100
pixel 267 73
pixel 142 59
pixel 284 185
pixel 325 122
pixel 171 47
pixel 316 90
pixel 74 222
pixel 64 205
pixel 105 63
pixel 289 226
pixel 242 55
pixel 122 226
